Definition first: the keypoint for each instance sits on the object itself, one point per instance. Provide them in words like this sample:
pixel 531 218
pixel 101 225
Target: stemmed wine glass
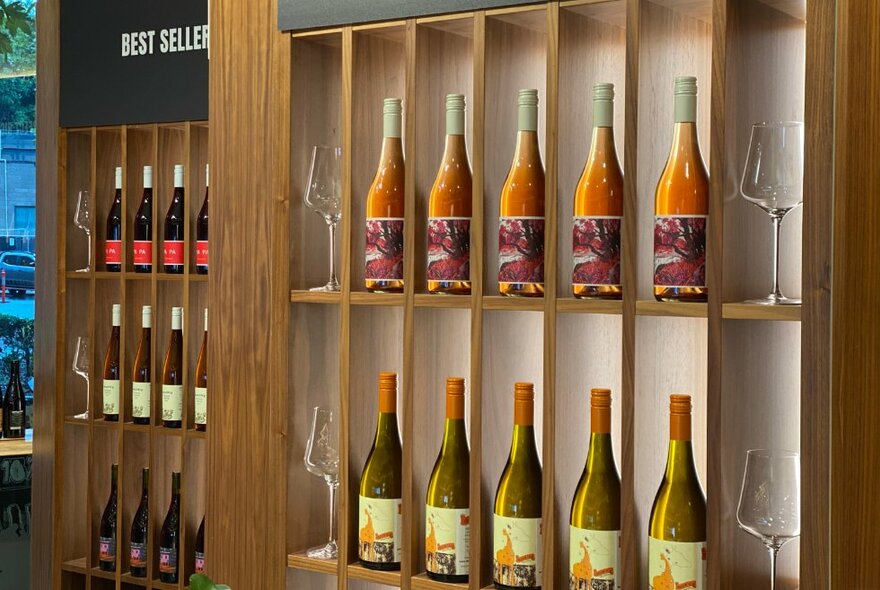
pixel 82 219
pixel 773 179
pixel 81 368
pixel 322 459
pixel 323 196
pixel 770 500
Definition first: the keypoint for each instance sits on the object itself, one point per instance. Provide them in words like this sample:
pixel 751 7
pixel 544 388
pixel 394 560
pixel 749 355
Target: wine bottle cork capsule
pixel 387 392
pixel 524 404
pixel 680 417
pixel 600 410
pixel 455 398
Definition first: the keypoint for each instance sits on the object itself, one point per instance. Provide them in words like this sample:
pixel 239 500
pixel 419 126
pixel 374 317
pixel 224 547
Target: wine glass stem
pixel 89 236
pixel 332 487
pixel 333 279
pixel 773 553
pixel 777 226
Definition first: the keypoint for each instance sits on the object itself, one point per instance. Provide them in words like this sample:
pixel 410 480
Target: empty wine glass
pixel 81 368
pixel 773 179
pixel 770 500
pixel 322 459
pixel 323 196
pixel 82 219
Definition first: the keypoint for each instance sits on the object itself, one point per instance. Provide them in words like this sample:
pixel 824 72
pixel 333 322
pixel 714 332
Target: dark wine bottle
pixel 13 403
pixel 137 550
pixel 172 374
pixel 142 254
pixel 172 244
pixel 200 549
pixel 113 235
pixel 201 388
pixel 111 369
pixel 202 233
pixel 107 533
pixel 169 537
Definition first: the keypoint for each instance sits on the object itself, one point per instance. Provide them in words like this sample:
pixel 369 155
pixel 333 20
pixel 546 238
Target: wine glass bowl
pixel 82 218
pixel 321 458
pixel 773 180
pixel 81 368
pixel 769 504
pixel 323 195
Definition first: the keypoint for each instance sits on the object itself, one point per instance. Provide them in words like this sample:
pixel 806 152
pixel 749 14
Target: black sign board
pixel 126 62
pixel 314 14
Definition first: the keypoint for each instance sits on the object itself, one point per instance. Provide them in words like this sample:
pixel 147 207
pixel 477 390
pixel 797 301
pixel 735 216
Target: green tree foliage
pixel 17 341
pixel 18 99
pixel 18 52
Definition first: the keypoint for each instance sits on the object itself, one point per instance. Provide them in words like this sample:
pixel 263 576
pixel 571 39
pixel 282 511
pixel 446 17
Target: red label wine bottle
pixel 113 235
pixel 172 246
pixel 169 537
pixel 142 254
pixel 202 233
pixel 137 549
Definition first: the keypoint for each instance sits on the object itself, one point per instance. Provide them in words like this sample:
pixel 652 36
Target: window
pixel 25 217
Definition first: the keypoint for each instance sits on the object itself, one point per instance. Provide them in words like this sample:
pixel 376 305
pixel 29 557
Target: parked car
pixel 19 267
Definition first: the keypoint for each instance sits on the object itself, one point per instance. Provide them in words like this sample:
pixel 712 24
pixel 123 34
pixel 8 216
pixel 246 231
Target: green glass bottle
pixel 594 533
pixel 517 528
pixel 447 510
pixel 677 536
pixel 380 497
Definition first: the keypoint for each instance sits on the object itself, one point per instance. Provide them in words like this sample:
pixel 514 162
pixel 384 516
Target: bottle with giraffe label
pixel 380 498
pixel 594 532
pixel 517 527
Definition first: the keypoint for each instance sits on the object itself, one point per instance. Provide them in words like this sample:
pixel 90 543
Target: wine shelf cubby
pixel 89 446
pixel 740 361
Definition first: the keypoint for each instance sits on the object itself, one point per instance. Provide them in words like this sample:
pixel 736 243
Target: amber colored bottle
pixel 200 402
pixel 449 210
pixel 681 207
pixel 383 269
pixel 172 373
pixel 521 223
pixel 598 209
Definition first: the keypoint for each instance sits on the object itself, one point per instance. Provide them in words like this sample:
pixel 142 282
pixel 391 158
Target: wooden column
pixel 247 462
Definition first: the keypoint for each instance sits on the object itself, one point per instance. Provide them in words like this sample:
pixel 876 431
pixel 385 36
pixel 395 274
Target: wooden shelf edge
pixel 70 420
pixel 378 299
pixel 164 585
pixel 299 561
pixel 358 572
pixel 499 302
pixel 442 301
pixel 127 578
pixel 97 572
pixel 301 296
pixel 193 433
pixel 671 309
pixel 753 311
pixel 77 566
pixel 16 447
pixel 569 305
pixel 423 582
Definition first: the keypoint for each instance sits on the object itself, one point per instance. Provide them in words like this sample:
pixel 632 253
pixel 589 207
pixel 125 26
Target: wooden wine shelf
pixel 358 572
pixel 377 299
pixel 87 158
pixel 127 578
pixel 752 311
pixel 442 301
pixel 499 302
pixel 589 306
pixel 422 582
pixel 315 297
pixel 672 309
pixel 300 561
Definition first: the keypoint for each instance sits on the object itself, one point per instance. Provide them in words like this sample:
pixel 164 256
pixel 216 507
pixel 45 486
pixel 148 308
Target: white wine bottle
pixel 447 510
pixel 172 373
pixel 141 384
pixel 594 533
pixel 677 535
pixel 110 400
pixel 517 527
pixel 380 498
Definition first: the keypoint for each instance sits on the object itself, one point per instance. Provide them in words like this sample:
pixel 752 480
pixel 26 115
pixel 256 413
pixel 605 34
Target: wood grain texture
pixel 816 327
pixel 250 68
pixel 855 374
pixel 49 301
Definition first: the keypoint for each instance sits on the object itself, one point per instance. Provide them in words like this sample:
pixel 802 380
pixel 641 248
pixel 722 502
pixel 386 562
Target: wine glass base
pixel 82 416
pixel 775 300
pixel 86 269
pixel 328 551
pixel 330 287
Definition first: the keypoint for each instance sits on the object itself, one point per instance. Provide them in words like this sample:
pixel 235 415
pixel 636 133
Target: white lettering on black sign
pixel 173 40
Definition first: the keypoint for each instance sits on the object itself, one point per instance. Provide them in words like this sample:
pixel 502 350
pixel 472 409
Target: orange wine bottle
pixel 383 271
pixel 681 207
pixel 521 223
pixel 449 210
pixel 598 209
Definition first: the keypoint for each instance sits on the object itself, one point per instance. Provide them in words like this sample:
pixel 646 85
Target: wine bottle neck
pixel 684 139
pixel 386 429
pixel 685 108
pixel 392 150
pixel 454 436
pixel 680 465
pixel 455 148
pixel 603 113
pixel 600 456
pixel 522 447
pixel 602 144
pixel 527 146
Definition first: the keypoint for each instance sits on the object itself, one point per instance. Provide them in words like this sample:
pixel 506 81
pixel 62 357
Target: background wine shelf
pixel 87 448
pixel 740 361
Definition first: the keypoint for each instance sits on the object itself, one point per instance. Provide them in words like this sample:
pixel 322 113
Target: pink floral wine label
pixel 680 251
pixel 113 252
pixel 596 251
pixel 449 247
pixel 200 562
pixel 384 251
pixel 167 560
pixel 521 250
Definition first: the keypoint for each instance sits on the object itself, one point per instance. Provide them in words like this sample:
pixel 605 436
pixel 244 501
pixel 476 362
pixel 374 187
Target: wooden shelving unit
pixel 87 447
pixel 741 362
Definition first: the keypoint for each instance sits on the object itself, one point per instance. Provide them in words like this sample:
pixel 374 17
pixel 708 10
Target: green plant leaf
pixel 201 582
